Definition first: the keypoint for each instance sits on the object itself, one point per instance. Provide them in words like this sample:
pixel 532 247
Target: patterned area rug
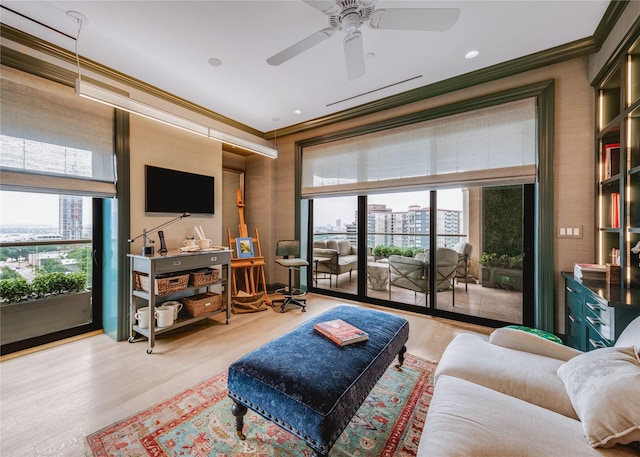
pixel 198 422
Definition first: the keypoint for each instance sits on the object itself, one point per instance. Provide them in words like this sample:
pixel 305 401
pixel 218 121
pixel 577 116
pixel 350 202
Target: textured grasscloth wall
pixel 573 163
pixel 168 147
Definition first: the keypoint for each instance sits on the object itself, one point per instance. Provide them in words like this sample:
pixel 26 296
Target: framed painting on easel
pixel 244 248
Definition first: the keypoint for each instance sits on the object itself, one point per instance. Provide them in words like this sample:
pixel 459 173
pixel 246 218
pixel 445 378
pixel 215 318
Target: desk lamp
pixel 148 250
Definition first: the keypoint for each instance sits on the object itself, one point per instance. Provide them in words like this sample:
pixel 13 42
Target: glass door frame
pixel 431 297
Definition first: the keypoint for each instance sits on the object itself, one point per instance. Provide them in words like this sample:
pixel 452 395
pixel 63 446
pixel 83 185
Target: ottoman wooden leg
pixel 401 357
pixel 239 411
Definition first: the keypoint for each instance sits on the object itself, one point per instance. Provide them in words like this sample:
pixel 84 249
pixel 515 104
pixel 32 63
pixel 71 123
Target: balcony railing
pixel 28 258
pixel 402 240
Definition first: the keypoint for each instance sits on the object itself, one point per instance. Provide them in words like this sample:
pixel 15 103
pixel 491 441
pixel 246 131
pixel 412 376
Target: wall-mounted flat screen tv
pixel 173 191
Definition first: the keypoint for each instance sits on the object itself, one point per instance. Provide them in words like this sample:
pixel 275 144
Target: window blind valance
pixel 488 146
pixel 52 140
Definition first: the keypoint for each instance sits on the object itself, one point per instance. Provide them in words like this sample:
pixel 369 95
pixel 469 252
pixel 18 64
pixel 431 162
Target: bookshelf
pixel 618 165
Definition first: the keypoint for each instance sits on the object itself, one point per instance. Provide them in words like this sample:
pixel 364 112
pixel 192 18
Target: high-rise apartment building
pixel 70 220
pixel 410 228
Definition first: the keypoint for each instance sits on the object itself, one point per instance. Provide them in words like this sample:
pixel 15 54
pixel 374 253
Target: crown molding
pixel 558 54
pixel 547 57
pixel 39 68
pixel 578 48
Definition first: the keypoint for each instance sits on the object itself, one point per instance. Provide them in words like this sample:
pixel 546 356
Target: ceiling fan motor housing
pixel 351 16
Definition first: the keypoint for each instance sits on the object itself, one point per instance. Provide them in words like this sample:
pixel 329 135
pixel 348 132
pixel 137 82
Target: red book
pixel 615 210
pixel 341 332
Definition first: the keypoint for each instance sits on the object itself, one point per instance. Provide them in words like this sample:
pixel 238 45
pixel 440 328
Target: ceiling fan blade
pixel 301 46
pixel 354 55
pixel 421 19
pixel 328 7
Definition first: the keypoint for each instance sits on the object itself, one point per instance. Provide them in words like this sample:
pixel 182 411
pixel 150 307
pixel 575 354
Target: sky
pixel 33 209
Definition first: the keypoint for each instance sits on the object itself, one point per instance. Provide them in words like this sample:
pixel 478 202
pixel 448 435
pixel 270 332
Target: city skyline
pixel 329 210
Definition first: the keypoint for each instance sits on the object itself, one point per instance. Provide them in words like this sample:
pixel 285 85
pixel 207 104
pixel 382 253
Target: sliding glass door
pixel 452 252
pixel 480 250
pixel 335 244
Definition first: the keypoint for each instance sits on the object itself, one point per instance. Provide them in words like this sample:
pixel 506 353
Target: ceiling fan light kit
pixel 348 15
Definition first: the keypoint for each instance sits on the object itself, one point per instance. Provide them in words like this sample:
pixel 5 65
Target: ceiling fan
pixel 348 15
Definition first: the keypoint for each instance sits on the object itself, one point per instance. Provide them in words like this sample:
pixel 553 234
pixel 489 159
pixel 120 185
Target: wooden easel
pixel 251 267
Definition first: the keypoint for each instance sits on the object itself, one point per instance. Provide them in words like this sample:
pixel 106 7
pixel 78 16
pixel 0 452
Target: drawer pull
pixel 594 321
pixel 569 289
pixel 595 306
pixel 597 344
pixel 572 319
pixel 177 263
pixel 214 259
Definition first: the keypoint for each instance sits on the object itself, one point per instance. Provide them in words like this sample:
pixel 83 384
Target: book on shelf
pixel 590 271
pixel 341 332
pixel 615 210
pixel 611 160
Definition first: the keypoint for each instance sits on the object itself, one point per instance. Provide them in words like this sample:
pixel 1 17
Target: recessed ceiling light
pixel 215 62
pixel 297 111
pixel 471 54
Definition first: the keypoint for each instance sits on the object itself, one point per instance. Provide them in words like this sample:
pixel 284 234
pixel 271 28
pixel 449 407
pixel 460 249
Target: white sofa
pixel 335 257
pixel 517 394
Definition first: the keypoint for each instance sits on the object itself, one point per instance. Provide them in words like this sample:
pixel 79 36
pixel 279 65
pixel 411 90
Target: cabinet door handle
pixel 569 289
pixel 597 344
pixel 572 319
pixel 594 321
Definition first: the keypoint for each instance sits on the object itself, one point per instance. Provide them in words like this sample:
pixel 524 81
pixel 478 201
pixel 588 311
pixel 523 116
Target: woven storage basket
pixel 165 285
pixel 200 304
pixel 204 277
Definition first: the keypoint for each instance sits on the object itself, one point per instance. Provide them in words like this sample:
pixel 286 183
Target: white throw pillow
pixel 604 388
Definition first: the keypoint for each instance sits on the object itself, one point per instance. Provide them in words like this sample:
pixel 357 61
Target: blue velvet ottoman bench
pixel 309 385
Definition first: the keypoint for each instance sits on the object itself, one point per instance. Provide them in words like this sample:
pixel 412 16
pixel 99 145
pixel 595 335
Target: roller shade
pixel 52 140
pixel 488 146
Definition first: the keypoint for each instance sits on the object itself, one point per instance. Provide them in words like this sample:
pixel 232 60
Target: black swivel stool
pixel 289 250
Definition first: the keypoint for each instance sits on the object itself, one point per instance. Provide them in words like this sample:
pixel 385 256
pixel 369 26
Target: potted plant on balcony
pixel 501 271
pixel 49 303
pixel 383 252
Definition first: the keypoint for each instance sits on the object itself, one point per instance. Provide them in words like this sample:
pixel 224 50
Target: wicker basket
pixel 164 285
pixel 200 304
pixel 203 277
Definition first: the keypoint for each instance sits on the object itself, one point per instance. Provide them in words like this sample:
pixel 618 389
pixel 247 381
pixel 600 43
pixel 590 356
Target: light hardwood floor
pixel 52 399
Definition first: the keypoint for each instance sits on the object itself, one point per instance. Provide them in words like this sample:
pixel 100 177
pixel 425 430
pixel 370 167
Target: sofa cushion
pixel 604 387
pixel 529 377
pixel 321 244
pixel 344 247
pixel 466 419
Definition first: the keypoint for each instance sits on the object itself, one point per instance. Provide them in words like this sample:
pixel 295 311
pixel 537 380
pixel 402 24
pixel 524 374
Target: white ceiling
pixel 168 44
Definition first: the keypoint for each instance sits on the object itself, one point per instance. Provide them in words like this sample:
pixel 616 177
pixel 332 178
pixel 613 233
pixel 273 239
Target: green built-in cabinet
pixel 597 312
